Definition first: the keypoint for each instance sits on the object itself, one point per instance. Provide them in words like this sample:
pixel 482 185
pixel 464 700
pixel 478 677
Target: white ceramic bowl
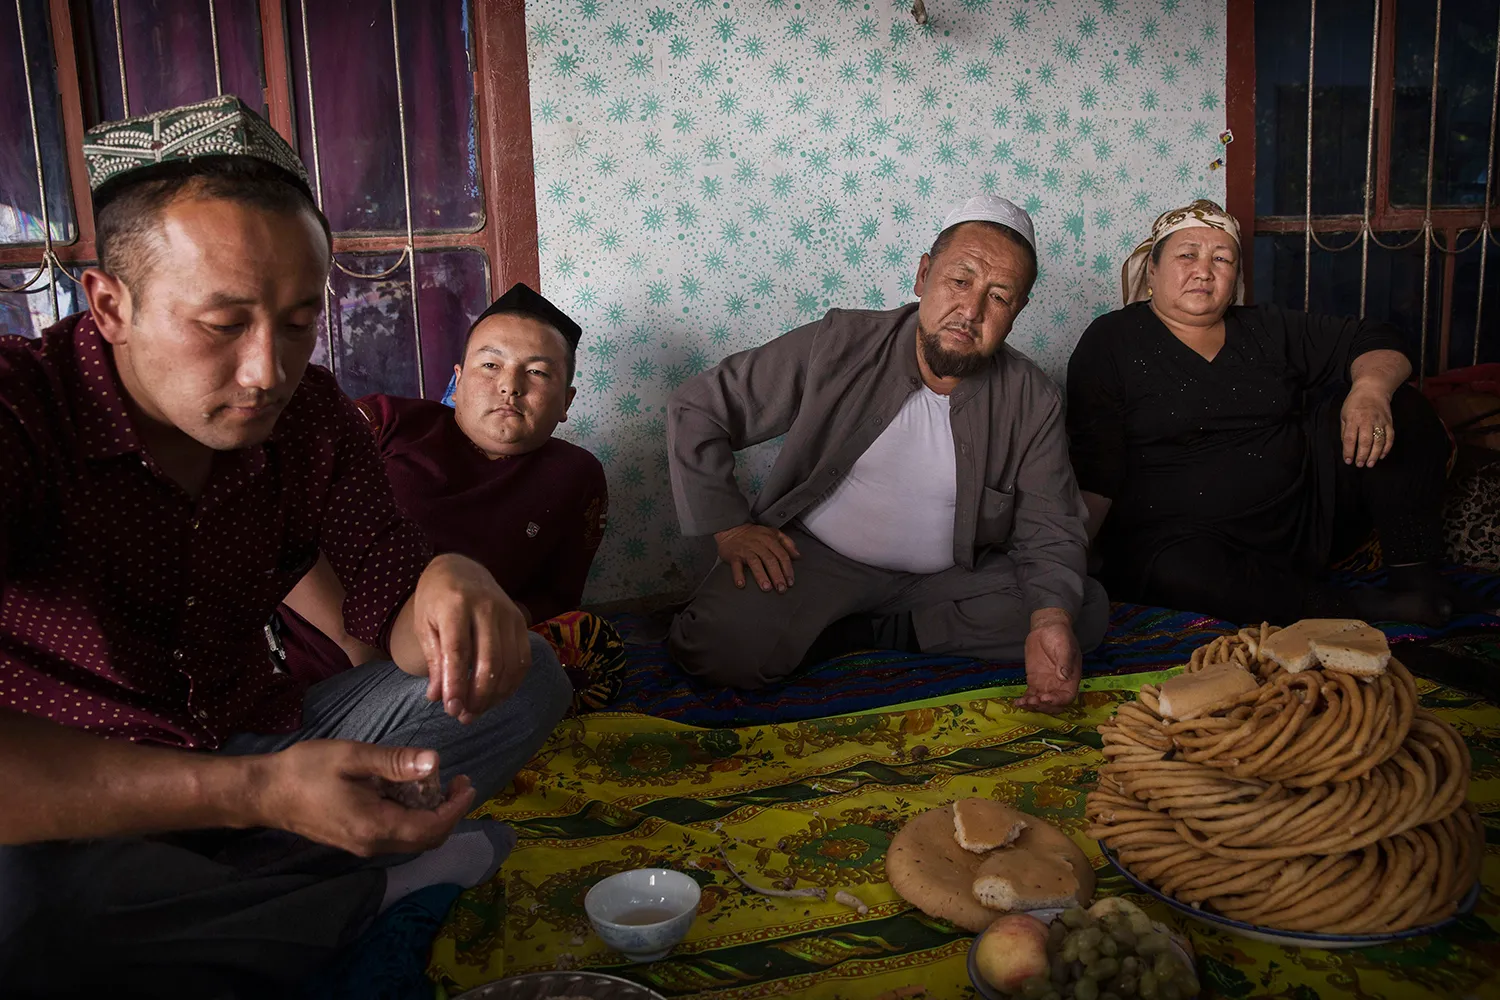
pixel 645 913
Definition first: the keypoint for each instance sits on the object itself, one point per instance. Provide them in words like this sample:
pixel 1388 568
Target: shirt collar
pixel 906 349
pixel 105 429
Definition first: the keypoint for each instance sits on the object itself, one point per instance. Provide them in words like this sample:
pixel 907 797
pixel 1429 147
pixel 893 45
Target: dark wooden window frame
pixel 503 113
pixel 1447 223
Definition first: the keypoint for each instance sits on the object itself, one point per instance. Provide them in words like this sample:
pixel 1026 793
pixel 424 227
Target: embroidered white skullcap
pixel 993 208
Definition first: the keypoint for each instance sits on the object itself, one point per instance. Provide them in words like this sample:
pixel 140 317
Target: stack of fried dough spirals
pixel 1316 802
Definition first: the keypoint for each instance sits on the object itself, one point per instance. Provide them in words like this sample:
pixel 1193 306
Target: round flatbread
pixel 930 871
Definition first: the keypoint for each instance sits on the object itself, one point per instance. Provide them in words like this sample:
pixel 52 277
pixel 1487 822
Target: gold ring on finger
pixel 1378 432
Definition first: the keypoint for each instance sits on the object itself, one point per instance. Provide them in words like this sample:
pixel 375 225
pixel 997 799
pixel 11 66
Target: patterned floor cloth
pixel 817 801
pixel 1140 639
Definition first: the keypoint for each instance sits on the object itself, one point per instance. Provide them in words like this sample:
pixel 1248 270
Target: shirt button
pixel 202 714
pixel 913 380
pixel 178 655
pixel 193 523
pixel 191 601
pixel 964 448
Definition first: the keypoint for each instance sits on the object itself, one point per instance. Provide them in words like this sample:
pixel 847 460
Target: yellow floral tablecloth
pixel 818 802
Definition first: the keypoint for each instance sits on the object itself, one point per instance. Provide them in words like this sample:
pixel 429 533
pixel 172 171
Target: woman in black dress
pixel 1229 453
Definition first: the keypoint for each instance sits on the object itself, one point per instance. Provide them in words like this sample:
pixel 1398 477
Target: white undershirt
pixel 894 509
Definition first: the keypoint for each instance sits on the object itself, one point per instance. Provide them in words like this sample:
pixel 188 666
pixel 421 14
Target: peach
pixel 1012 950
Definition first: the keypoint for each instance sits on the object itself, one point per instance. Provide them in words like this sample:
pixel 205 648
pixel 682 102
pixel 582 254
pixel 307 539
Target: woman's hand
pixel 1367 425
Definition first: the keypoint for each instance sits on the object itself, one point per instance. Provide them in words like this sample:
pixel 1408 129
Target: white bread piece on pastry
pixel 981 825
pixel 1188 696
pixel 1362 651
pixel 1292 646
pixel 1042 868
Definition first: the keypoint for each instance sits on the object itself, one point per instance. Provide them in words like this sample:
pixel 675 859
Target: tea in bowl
pixel 643 914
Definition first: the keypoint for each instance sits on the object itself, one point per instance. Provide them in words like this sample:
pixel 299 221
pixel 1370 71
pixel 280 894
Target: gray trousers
pixel 246 913
pixel 747 638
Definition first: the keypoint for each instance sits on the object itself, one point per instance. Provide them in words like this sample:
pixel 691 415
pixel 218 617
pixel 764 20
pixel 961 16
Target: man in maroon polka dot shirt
pixel 176 812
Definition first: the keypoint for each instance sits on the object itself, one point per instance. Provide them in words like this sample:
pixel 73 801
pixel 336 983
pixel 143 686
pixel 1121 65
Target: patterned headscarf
pixel 1202 212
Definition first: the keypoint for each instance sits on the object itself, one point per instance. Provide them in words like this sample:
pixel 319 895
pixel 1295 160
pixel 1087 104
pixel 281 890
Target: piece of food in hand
pixel 1362 651
pixel 1292 646
pixel 422 793
pixel 981 825
pixel 930 871
pixel 1043 868
pixel 1012 950
pixel 1189 696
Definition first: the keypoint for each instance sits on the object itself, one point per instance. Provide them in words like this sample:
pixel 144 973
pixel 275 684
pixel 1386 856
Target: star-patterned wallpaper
pixel 712 173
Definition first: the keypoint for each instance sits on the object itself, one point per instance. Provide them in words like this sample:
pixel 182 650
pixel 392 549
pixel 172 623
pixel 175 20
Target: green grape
pixel 1130 964
pixel 1088 955
pixel 1107 946
pixel 1053 995
pixel 1170 991
pixel 1075 917
pixel 1124 936
pixel 1090 937
pixel 1069 950
pixel 1147 986
pixel 1165 966
pixel 1104 968
pixel 1140 924
pixel 1036 987
pixel 1086 989
pixel 1151 944
pixel 1110 995
pixel 1056 932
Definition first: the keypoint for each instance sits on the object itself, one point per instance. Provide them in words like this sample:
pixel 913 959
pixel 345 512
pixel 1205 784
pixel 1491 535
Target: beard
pixel 945 363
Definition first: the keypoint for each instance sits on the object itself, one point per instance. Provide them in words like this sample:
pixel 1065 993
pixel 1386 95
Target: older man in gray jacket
pixel 923 498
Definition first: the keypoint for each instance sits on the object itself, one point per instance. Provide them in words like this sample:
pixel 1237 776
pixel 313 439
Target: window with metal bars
pixel 413 119
pixel 1371 191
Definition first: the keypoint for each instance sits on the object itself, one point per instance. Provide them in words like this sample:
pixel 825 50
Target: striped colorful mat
pixel 1140 639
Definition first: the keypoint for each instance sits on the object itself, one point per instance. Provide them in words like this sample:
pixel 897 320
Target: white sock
pixel 471 855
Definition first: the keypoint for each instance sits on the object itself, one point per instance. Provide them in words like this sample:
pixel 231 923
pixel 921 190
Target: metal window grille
pixel 1366 230
pixel 509 235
